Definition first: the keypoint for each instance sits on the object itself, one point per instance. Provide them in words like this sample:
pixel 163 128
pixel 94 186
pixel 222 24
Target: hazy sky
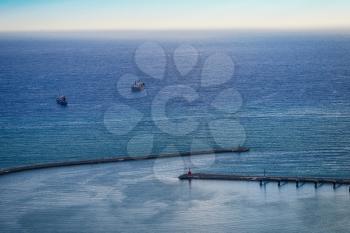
pixel 173 14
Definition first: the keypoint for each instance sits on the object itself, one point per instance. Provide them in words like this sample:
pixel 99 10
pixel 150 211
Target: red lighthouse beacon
pixel 189 173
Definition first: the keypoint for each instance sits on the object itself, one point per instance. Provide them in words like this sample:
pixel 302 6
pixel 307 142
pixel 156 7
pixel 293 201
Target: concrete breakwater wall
pixel 299 181
pixel 119 159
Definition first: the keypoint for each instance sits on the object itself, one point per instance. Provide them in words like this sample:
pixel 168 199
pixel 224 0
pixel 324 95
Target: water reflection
pixel 128 197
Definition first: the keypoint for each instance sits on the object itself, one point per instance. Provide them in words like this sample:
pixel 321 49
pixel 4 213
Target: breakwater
pixel 299 181
pixel 119 159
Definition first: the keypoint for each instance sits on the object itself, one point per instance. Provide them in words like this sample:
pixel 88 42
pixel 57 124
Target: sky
pixel 34 15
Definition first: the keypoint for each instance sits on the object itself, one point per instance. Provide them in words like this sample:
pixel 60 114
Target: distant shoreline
pixel 117 159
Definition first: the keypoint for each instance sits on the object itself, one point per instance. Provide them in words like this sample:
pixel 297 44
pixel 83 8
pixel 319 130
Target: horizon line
pixel 303 29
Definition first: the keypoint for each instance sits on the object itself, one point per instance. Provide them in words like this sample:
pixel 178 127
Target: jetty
pixel 115 159
pixel 281 180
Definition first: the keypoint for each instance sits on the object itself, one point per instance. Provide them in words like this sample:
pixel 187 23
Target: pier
pixel 280 180
pixel 115 159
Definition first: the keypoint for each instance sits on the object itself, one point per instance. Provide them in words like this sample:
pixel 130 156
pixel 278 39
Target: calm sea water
pixel 143 197
pixel 295 92
pixel 295 114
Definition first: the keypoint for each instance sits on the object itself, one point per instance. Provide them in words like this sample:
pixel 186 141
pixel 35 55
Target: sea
pixel 285 95
pixel 294 107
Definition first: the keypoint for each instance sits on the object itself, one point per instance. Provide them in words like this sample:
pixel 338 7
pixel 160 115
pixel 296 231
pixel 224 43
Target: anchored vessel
pixel 138 86
pixel 61 100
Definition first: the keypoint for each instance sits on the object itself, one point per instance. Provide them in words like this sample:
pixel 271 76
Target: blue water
pixel 295 90
pixel 138 197
pixel 295 113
